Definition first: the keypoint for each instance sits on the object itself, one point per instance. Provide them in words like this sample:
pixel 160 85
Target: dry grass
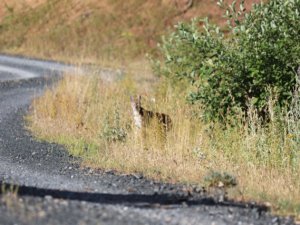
pixel 92 30
pixel 17 6
pixel 93 119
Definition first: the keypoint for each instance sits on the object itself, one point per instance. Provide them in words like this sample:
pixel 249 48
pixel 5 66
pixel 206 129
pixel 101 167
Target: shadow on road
pixel 135 200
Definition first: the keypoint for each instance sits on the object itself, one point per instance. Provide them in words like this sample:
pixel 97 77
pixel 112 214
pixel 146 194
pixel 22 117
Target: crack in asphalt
pixel 54 189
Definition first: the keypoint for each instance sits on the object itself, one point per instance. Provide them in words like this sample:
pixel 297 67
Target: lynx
pixel 144 118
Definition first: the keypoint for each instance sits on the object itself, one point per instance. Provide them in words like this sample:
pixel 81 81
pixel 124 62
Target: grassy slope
pixel 93 30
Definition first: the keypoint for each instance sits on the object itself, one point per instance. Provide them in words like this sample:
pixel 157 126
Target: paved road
pixel 53 189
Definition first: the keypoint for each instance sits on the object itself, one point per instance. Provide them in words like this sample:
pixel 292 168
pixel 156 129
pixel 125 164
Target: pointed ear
pixel 139 99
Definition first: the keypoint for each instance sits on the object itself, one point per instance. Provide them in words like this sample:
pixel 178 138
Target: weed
pixel 217 179
pixel 8 194
pixel 112 131
pixel 5 189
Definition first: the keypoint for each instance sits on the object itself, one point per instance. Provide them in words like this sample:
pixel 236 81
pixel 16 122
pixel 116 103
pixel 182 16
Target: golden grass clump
pixel 93 119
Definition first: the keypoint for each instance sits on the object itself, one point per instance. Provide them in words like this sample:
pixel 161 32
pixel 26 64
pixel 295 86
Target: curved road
pixel 53 189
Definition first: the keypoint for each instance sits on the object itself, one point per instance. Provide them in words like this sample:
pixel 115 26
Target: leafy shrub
pixel 258 56
pixel 217 179
pixel 112 130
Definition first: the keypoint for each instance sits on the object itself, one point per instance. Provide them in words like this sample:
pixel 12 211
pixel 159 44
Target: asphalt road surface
pixel 54 189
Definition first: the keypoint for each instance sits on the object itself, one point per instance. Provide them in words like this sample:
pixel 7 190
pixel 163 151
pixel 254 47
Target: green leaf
pixel 273 25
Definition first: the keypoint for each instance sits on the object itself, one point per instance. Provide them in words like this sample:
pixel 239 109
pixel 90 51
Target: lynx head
pixel 136 102
pixel 136 107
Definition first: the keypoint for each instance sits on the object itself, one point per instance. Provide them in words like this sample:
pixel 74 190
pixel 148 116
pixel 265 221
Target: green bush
pixel 230 69
pixel 218 179
pixel 112 130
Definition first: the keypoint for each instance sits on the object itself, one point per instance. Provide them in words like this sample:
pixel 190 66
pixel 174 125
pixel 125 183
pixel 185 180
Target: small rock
pixel 275 220
pixel 42 214
pixel 268 204
pixel 137 175
pixel 64 203
pixel 168 219
pixel 198 189
pixel 184 204
pixel 48 197
pixel 220 184
pixel 130 190
pixel 109 171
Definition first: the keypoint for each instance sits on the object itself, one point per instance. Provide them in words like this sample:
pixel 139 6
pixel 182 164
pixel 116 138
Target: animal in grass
pixel 144 118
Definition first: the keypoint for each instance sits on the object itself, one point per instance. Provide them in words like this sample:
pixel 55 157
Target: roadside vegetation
pixel 232 93
pixel 93 119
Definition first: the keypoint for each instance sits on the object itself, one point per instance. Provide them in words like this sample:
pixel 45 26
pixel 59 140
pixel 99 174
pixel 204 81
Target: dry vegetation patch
pixel 16 6
pixel 93 31
pixel 93 119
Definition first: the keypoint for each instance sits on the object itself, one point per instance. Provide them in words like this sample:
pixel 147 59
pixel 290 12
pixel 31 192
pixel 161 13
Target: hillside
pixel 94 29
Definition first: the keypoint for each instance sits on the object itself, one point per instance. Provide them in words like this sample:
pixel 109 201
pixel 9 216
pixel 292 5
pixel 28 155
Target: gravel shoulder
pixel 54 189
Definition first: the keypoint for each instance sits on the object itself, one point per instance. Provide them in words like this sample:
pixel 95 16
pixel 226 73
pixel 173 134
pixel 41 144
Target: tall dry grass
pixel 93 119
